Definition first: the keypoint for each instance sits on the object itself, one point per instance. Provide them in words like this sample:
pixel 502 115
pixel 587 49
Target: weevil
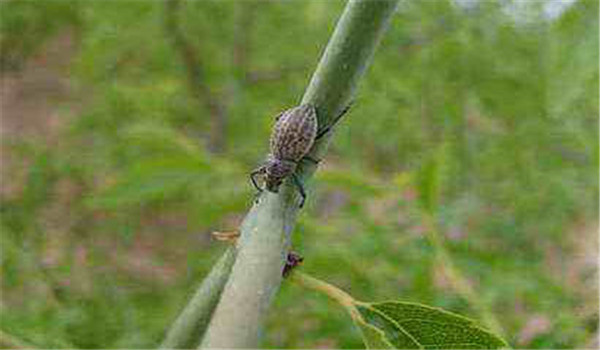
pixel 294 133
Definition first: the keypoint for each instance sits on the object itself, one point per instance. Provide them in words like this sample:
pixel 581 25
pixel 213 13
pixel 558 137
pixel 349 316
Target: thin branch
pixel 244 19
pixel 458 281
pixel 333 292
pixel 265 233
pixel 196 77
pixel 188 329
pixel 244 12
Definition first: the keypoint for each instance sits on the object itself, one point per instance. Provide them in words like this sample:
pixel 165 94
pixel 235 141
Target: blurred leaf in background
pixel 110 186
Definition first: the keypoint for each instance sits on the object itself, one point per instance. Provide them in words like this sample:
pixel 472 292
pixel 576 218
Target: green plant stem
pixel 320 286
pixel 457 279
pixel 265 232
pixel 187 330
pixel 333 292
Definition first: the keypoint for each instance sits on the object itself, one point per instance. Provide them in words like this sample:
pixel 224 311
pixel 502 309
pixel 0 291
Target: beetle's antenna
pixel 335 121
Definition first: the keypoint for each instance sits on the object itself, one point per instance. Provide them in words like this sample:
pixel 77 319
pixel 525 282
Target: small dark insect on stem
pixel 293 259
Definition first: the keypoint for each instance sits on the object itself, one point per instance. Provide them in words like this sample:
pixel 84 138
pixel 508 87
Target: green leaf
pixel 373 337
pixel 404 325
pixel 414 326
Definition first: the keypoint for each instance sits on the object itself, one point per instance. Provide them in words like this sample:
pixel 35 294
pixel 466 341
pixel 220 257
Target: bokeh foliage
pixel 484 120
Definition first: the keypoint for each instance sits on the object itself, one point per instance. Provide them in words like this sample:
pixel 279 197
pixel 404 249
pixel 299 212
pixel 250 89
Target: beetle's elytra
pixel 293 135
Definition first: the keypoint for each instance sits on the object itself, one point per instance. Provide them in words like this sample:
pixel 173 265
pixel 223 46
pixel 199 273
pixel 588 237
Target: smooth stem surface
pixel 187 330
pixel 344 62
pixel 265 232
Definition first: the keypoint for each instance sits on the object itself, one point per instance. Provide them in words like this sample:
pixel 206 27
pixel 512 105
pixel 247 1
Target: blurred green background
pixel 129 129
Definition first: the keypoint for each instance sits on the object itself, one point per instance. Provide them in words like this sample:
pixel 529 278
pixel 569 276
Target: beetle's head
pixel 277 170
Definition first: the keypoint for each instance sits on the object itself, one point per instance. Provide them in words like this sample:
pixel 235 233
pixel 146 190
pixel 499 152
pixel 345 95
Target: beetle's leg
pixel 311 159
pixel 253 175
pixel 339 116
pixel 300 189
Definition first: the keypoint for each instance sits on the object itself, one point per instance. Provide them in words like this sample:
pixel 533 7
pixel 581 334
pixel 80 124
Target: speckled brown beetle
pixel 293 135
